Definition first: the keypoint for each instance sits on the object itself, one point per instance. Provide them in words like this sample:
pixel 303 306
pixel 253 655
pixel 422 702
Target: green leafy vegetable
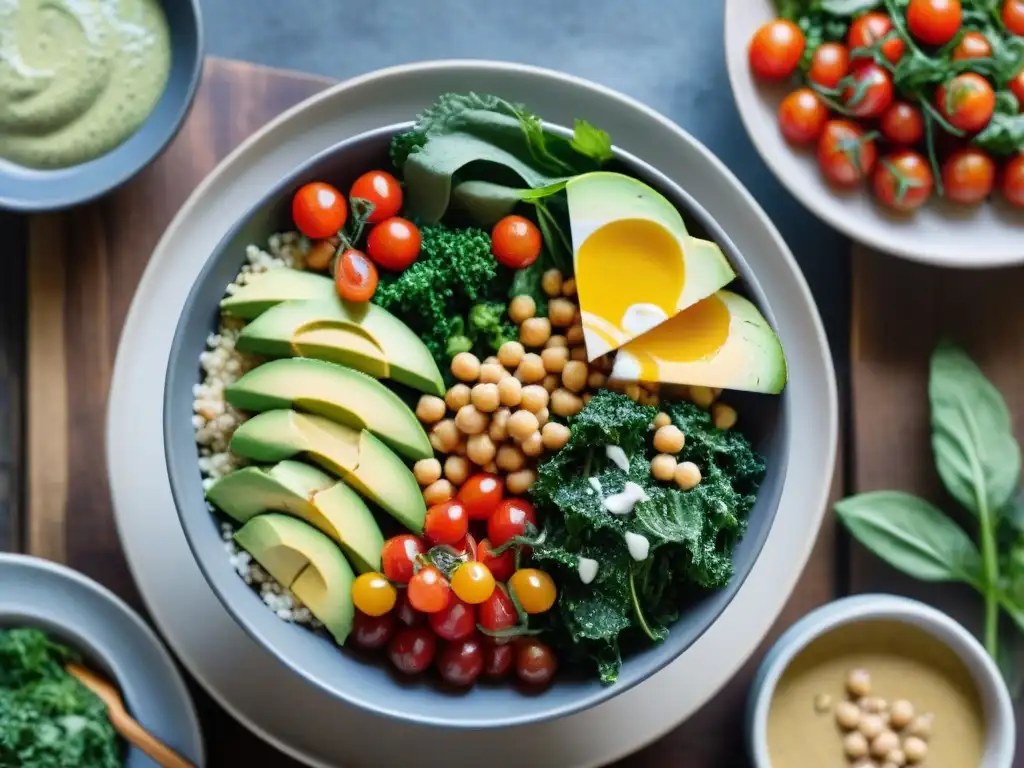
pixel 591 141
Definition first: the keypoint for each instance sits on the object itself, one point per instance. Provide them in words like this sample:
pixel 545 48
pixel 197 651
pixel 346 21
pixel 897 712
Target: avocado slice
pixel 341 394
pixel 307 493
pixel 308 563
pixel 270 288
pixel 356 456
pixel 361 336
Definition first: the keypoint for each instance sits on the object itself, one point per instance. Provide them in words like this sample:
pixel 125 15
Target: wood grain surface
pixel 13 238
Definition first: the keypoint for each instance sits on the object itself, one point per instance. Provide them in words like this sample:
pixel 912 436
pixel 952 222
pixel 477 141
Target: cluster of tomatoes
pixel 478 609
pixel 320 212
pixel 851 80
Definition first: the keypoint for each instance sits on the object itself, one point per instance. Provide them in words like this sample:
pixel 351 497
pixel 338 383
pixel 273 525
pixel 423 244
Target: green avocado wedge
pixel 355 456
pixel 361 336
pixel 270 288
pixel 341 394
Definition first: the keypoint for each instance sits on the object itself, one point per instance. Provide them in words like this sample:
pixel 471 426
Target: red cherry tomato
pixel 934 22
pixel 867 30
pixel 1017 87
pixel 383 190
pixel 394 243
pixel 846 156
pixel 319 210
pixel 355 277
pixel 802 116
pixel 903 181
pixel 776 49
pixel 509 520
pixel 535 663
pixel 428 590
pixel 1013 16
pixel 462 661
pixel 1013 184
pixel 902 123
pixel 497 612
pixel 968 102
pixel 412 649
pixel 373 631
pixel 973 45
pixel 501 566
pixel 829 65
pixel 446 523
pixel 869 92
pixel 455 621
pixel 498 659
pixel 515 242
pixel 968 176
pixel 405 613
pixel 480 494
pixel 399 557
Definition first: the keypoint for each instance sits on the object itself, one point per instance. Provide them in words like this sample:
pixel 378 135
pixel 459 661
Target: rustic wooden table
pixel 81 272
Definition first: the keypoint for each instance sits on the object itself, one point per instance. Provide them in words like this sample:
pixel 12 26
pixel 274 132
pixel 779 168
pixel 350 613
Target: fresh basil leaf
pixel 912 536
pixel 1004 135
pixel 591 141
pixel 975 451
pixel 487 202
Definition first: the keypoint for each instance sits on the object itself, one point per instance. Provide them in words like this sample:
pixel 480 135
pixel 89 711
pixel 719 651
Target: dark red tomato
pixel 968 176
pixel 1017 86
pixel 373 631
pixel 405 613
pixel 399 557
pixel 455 621
pixel 412 649
pixel 355 277
pixel 776 49
pixel 846 156
pixel 535 663
pixel 501 566
pixel 383 190
pixel 903 181
pixel 829 65
pixel 902 123
pixel 802 116
pixel 1013 184
pixel 498 659
pixel 869 92
pixel 968 102
pixel 394 243
pixel 515 242
pixel 319 210
pixel 480 494
pixel 1013 16
pixel 461 662
pixel 497 612
pixel 509 520
pixel 446 522
pixel 973 45
pixel 867 30
pixel 428 590
pixel 934 22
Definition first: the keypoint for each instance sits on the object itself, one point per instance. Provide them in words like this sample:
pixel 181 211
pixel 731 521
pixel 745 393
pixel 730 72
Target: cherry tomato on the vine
pixel 845 154
pixel 428 590
pixel 501 566
pixel 973 45
pixel 455 621
pixel 903 181
pixel 462 661
pixel 1017 87
pixel 829 65
pixel 497 612
pixel 373 631
pixel 802 116
pixel 446 523
pixel 383 190
pixel 510 520
pixel 869 90
pixel 967 102
pixel 902 123
pixel 399 557
pixel 473 582
pixel 776 49
pixel 498 659
pixel 394 243
pixel 1013 16
pixel 355 277
pixel 515 242
pixel 319 210
pixel 412 649
pixel 934 22
pixel 867 30
pixel 1013 181
pixel 535 662
pixel 373 594
pixel 480 494
pixel 968 176
pixel 534 589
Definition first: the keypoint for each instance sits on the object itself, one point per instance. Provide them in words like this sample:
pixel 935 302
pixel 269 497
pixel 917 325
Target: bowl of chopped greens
pixel 476 421
pixel 51 616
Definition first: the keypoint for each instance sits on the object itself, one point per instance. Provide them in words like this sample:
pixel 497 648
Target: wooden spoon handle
pixel 166 757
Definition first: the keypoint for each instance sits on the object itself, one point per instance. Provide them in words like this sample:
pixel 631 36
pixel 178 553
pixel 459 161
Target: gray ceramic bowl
pixel 112 639
pixel 366 681
pixel 29 190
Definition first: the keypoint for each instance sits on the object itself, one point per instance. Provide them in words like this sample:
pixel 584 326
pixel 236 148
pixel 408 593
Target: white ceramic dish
pixel 942 234
pixel 302 720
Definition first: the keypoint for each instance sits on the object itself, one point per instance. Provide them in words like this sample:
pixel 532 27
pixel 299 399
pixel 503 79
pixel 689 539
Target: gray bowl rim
pixel 121 173
pixel 179 475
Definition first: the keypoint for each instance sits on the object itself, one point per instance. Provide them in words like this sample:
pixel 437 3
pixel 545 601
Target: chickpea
pixel 430 409
pixel 492 373
pixel 579 354
pixel 470 421
pixel 871 726
pixel 669 439
pixel 466 366
pixel 321 253
pixel 855 745
pixel 663 467
pixel 822 702
pixel 554 359
pixel 510 391
pixel 596 380
pixel 569 287
pixel 574 335
pixel 519 482
pixel 534 398
pixel 662 420
pixel 884 743
pixel 438 491
pixel 897 758
pixel 921 727
pixel 510 458
pixel 556 340
pixel 687 475
pixel 915 749
pixel 480 449
pixel 510 353
pixel 574 375
pixel 648 398
pixel 847 715
pixel 901 712
pixel 551 282
pixel 652 386
pixel 435 442
pixel 724 416
pixel 460 447
pixel 564 403
pixel 485 397
pixel 633 392
pixel 531 369
pixel 447 434
pixel 858 682
pixel 458 396
pixel 587 397
pixel 456 469
pixel 873 704
pixel 498 430
pixel 702 397
pixel 521 308
pixel 554 435
pixel 490 360
pixel 543 415
pixel 561 312
pixel 521 425
pixel 535 331
pixel 427 471
pixel 533 445
pixel 551 382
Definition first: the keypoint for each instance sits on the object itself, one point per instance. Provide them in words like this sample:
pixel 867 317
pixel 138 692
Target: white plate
pixel 943 234
pixel 245 679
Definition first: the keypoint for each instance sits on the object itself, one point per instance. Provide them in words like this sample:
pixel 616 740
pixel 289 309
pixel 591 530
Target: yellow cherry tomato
pixel 534 590
pixel 373 594
pixel 473 582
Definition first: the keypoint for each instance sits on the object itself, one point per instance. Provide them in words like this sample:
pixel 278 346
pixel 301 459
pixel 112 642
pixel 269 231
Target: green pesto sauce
pixel 77 77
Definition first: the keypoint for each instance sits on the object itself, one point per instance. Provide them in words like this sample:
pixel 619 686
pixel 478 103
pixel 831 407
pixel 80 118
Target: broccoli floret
pixel 403 145
pixel 490 326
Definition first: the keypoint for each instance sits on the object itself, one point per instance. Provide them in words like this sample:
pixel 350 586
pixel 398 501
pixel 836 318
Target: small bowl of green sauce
pixel 90 93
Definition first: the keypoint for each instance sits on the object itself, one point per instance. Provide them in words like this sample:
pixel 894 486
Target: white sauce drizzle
pixel 623 503
pixel 617 456
pixel 587 569
pixel 595 484
pixel 637 545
